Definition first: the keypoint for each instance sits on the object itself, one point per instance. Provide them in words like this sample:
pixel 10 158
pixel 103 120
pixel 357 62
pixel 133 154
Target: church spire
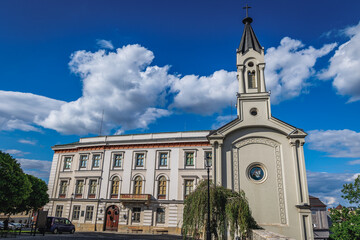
pixel 248 39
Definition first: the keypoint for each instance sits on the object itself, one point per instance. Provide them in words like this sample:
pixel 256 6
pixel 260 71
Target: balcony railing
pixel 135 197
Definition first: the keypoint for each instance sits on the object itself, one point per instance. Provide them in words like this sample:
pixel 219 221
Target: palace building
pixel 138 183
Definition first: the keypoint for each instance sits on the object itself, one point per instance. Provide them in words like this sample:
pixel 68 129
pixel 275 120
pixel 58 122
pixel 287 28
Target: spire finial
pixel 247 8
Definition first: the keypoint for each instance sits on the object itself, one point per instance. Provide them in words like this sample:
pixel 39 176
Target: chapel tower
pixel 260 154
pixel 250 65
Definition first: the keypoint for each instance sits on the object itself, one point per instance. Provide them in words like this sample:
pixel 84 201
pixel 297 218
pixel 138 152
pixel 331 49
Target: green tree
pixel 15 186
pixel 351 191
pixel 38 196
pixel 227 208
pixel 346 222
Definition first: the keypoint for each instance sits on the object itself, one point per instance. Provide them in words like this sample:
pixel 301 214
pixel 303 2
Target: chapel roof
pixel 249 39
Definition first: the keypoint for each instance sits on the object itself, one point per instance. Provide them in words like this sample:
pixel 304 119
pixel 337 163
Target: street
pixel 94 235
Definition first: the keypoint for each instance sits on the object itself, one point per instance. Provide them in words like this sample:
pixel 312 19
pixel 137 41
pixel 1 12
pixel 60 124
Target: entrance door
pixel 112 218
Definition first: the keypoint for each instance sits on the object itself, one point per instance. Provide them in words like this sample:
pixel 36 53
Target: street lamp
pixel 71 199
pixel 208 165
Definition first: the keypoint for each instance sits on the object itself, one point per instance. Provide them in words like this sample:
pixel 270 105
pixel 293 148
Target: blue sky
pixel 152 66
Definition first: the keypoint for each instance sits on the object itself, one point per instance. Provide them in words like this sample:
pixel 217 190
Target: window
pixel 83 161
pixel 189 159
pixel 92 189
pixel 89 213
pixel 67 162
pixel 208 156
pixel 136 215
pixel 139 159
pixel 163 159
pixel 115 186
pixel 138 185
pixel 79 187
pixel 96 160
pixel 76 212
pixel 162 188
pixel 160 215
pixel 63 187
pixel 118 160
pixel 251 79
pixel 189 187
pixel 59 210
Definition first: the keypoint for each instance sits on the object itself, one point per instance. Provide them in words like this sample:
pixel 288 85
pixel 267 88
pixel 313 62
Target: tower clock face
pixel 256 173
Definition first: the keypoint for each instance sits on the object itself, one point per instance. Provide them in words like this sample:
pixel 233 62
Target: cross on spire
pixel 247 7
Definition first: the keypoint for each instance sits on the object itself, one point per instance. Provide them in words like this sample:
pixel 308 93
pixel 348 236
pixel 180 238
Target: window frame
pixel 136 190
pixel 185 187
pixel 82 187
pixel 96 160
pixel 65 168
pixel 193 152
pixel 161 215
pixel 63 187
pixel 136 214
pixel 113 181
pixel 87 211
pixel 59 209
pixel 81 161
pixel 75 211
pixel 162 189
pixel 121 160
pixel 93 187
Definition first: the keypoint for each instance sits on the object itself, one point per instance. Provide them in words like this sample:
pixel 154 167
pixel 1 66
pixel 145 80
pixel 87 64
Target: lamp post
pixel 71 199
pixel 208 165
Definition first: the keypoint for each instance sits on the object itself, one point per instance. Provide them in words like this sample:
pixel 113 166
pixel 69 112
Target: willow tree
pixel 228 209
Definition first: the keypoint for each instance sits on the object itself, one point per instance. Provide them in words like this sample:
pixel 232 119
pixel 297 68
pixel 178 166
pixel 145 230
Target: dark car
pixel 58 225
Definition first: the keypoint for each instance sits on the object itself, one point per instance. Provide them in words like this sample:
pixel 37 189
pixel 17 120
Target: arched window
pixel 138 185
pixel 162 188
pixel 115 187
pixel 251 79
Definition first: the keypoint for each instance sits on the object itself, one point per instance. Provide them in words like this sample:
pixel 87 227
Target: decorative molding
pixel 279 178
pixel 135 146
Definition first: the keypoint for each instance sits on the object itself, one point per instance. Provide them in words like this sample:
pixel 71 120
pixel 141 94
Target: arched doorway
pixel 112 218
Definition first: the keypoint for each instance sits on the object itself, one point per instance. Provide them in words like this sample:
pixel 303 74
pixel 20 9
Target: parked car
pixel 1 225
pixel 11 226
pixel 58 225
pixel 17 225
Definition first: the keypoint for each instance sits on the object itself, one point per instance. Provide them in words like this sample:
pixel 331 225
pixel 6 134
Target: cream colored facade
pixel 176 171
pixel 256 152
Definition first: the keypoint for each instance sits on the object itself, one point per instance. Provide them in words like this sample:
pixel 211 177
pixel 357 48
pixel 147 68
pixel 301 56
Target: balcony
pixel 135 197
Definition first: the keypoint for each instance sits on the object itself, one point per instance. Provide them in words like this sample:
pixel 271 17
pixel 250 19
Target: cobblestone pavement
pixel 93 235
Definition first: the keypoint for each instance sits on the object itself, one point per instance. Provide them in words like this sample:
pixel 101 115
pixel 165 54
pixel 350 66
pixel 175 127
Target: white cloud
pixel 336 143
pixel 105 44
pixel 205 95
pixel 15 152
pixel 327 186
pixel 222 120
pixel 344 66
pixel 290 66
pixel 354 162
pixel 21 110
pixel 120 83
pixel 31 142
pixel 38 168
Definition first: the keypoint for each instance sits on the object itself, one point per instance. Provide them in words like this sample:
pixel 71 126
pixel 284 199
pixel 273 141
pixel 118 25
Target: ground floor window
pixel 136 215
pixel 76 212
pixel 160 215
pixel 89 213
pixel 59 210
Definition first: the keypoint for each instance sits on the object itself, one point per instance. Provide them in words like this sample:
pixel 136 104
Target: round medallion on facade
pixel 257 173
pixel 250 64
